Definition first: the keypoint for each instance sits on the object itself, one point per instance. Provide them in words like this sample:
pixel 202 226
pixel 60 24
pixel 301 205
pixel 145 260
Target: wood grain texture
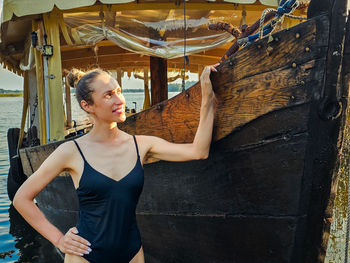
pixel 248 85
pixel 326 128
pixel 211 239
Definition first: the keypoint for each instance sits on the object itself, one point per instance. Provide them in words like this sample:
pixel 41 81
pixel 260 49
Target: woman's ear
pixel 86 106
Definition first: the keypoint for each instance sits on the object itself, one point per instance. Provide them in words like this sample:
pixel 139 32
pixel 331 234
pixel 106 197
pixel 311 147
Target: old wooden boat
pixel 265 193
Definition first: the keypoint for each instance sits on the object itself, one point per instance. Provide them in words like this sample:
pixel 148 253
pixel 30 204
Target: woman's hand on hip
pixel 72 243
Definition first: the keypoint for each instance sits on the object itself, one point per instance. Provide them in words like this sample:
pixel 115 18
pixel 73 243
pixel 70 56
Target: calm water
pixel 18 241
pixel 10 116
pixel 21 243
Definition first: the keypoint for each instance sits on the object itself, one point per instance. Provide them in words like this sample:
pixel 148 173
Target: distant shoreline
pixel 11 94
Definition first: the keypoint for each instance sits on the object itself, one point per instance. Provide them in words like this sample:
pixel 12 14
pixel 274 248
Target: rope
pixel 347 224
pixel 262 19
pixel 35 105
pixel 296 17
pixel 184 67
pixel 243 18
pixel 103 25
pixel 284 8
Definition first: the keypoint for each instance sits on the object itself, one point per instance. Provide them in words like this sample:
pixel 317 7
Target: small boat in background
pixel 266 192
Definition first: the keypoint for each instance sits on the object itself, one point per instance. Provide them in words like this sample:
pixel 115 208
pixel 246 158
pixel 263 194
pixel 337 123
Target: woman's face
pixel 109 102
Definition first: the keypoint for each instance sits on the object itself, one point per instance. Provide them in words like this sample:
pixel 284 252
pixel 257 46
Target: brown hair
pixel 82 82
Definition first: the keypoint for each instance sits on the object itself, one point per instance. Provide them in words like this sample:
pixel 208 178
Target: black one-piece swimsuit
pixel 107 217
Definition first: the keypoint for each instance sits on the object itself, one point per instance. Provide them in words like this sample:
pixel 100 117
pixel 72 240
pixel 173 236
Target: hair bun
pixel 74 76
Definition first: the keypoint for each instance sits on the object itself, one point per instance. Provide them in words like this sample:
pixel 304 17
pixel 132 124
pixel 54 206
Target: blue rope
pixel 284 7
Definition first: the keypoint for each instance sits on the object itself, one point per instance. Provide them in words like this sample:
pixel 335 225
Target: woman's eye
pixel 108 96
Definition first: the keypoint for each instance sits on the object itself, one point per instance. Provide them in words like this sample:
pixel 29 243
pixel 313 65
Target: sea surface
pixel 20 243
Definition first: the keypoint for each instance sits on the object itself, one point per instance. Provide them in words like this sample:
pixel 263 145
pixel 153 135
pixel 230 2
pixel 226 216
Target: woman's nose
pixel 118 98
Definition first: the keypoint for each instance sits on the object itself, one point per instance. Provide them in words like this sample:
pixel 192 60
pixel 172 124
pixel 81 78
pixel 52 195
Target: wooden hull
pixel 263 193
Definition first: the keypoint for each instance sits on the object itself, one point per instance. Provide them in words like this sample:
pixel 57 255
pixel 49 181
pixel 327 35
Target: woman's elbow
pixel 18 199
pixel 202 155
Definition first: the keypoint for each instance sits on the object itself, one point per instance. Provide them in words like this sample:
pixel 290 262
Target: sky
pixel 11 81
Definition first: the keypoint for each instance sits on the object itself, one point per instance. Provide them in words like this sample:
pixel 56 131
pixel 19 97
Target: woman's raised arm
pixel 161 149
pixel 57 162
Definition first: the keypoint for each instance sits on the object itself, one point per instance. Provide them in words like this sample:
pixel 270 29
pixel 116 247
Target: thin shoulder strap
pixel 82 155
pixel 137 148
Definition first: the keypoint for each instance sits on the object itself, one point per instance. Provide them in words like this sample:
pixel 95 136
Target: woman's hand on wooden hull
pixel 206 86
pixel 199 149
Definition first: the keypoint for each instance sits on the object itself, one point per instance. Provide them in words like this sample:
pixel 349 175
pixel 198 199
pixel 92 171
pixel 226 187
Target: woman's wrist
pixel 208 98
pixel 56 242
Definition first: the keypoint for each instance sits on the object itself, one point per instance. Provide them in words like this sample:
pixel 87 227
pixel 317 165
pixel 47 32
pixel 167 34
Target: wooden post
pixel 147 101
pixel 318 7
pixel 200 69
pixel 68 106
pixel 56 111
pixel 119 77
pixel 159 80
pixel 25 108
pixel 40 86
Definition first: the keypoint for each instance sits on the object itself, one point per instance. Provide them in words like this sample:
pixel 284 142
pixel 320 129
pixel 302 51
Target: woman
pixel 107 230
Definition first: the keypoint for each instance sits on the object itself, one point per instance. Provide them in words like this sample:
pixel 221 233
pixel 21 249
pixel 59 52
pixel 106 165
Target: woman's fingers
pixel 208 69
pixel 72 243
pixel 79 239
pixel 69 251
pixel 80 248
pixel 213 67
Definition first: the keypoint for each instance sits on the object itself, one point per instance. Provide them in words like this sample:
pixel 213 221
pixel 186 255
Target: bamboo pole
pixel 40 86
pixel 25 108
pixel 56 109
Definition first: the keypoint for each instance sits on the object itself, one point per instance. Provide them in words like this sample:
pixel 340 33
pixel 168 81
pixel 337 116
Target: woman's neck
pixel 104 132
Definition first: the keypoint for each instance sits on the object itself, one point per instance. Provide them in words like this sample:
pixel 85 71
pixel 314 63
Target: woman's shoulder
pixel 67 148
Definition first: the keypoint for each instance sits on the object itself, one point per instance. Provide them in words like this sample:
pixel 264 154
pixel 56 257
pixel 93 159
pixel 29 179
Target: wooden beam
pixel 68 106
pixel 318 7
pixel 159 80
pixel 119 76
pixel 56 111
pixel 134 60
pixel 164 4
pixel 139 66
pixel 88 51
pixel 324 135
pixel 147 100
pixel 25 107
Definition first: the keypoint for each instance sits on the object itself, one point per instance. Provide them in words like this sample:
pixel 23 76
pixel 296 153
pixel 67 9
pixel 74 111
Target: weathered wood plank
pixel 318 7
pixel 299 44
pixel 254 90
pixel 211 239
pixel 239 102
pixel 230 181
pixel 322 159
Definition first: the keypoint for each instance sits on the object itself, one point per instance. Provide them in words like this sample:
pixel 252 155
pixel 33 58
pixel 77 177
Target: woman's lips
pixel 119 110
